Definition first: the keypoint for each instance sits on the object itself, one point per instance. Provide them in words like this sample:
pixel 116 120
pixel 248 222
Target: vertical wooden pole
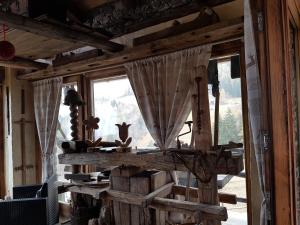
pixel 2 155
pixel 207 192
pixel 217 115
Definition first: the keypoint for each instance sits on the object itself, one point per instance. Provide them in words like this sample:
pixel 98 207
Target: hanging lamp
pixel 7 49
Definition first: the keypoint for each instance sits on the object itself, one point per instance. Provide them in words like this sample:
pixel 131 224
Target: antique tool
pixel 189 123
pixel 216 94
pixel 199 111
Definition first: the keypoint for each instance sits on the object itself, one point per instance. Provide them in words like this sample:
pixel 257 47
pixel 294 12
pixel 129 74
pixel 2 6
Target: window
pixel 114 102
pixel 231 129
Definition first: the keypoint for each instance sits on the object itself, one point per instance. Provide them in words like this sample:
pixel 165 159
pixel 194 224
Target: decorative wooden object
pixel 92 123
pixel 123 135
pixel 73 100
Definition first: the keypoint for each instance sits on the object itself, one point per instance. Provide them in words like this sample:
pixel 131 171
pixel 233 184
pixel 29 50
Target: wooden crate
pixel 135 180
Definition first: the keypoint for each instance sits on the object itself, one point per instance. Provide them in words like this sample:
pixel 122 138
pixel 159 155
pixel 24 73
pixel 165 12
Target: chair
pixel 27 209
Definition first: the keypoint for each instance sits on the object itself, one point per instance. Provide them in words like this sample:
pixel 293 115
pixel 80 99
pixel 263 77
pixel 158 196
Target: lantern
pixel 7 49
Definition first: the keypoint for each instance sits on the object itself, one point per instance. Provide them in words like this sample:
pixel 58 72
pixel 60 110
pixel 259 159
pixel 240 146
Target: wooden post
pixel 207 192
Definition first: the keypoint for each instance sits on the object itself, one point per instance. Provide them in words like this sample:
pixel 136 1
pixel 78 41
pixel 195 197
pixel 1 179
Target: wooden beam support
pixel 57 32
pixel 125 197
pixel 23 63
pixel 216 33
pixel 174 205
pixel 167 162
pixel 63 60
pixel 206 17
pixel 171 205
pixel 160 192
pixel 223 197
pixel 227 49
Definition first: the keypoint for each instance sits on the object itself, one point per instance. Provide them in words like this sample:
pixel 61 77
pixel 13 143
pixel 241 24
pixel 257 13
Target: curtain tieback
pixel 48 156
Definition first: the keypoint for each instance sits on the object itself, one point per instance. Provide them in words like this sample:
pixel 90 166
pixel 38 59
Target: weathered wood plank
pixel 173 205
pixel 62 60
pixel 23 63
pixel 223 197
pixel 126 197
pixel 206 17
pixel 140 184
pixel 160 192
pixel 95 192
pixel 217 33
pixel 159 161
pixel 57 32
pixel 158 180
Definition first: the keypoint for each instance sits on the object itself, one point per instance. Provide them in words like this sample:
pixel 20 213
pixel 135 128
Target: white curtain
pixel 255 104
pixel 162 86
pixel 47 96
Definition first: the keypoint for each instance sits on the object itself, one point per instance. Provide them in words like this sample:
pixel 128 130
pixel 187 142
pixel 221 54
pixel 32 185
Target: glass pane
pixel 115 103
pixel 231 120
pixel 231 117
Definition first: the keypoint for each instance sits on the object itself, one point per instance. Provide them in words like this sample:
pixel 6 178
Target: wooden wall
pixel 13 137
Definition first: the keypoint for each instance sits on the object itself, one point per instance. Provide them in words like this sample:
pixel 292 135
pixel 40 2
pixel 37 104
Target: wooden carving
pixel 73 99
pixel 123 135
pixel 92 123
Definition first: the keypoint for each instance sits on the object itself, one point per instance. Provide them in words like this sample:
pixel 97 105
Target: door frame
pixel 279 116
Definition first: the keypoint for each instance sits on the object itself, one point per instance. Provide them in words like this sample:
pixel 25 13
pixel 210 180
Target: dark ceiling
pixel 112 17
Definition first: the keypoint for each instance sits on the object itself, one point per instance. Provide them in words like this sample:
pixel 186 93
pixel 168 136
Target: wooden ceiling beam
pixel 57 32
pixel 87 5
pixel 22 63
pixel 63 60
pixel 151 17
pixel 206 17
pixel 216 33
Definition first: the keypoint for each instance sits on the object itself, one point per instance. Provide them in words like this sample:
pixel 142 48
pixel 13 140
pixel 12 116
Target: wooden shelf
pixel 94 190
pixel 232 165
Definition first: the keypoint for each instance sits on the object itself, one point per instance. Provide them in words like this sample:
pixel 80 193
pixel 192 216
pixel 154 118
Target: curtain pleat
pixel 255 104
pixel 47 96
pixel 162 86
